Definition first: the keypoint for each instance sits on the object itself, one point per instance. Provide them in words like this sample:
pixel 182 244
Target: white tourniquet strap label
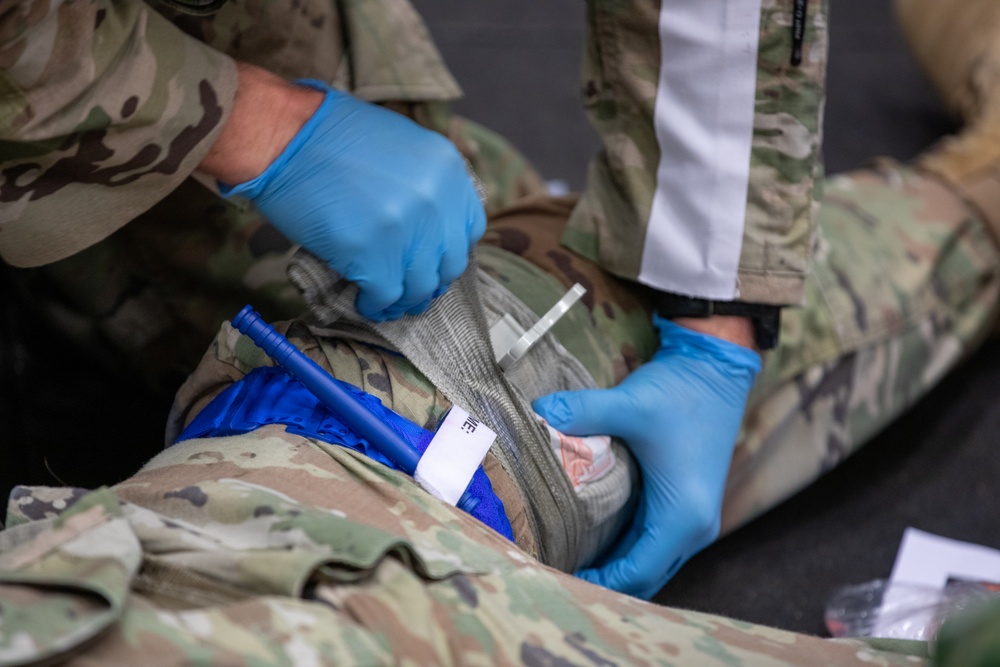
pixel 453 456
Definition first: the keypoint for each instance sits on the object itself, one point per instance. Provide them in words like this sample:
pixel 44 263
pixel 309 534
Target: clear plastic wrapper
pixel 881 608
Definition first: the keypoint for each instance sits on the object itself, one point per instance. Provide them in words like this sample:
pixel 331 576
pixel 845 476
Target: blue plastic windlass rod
pixel 355 415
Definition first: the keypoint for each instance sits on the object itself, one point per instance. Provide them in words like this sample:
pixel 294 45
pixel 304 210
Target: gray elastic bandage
pixel 450 345
pixel 547 368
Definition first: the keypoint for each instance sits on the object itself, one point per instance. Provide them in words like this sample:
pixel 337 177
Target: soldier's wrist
pixel 751 325
pixel 731 328
pixel 267 113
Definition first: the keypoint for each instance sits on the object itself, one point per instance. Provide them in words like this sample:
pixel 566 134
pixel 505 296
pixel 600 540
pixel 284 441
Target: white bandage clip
pixel 585 459
pixel 462 441
pixel 511 342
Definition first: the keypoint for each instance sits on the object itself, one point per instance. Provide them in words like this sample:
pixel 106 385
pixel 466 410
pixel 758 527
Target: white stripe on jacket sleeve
pixel 704 126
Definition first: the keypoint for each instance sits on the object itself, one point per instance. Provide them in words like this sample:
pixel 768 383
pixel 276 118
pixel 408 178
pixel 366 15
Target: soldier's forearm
pixel 108 107
pixel 267 113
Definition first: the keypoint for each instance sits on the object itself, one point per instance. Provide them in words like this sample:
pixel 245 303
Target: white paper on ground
pixel 929 561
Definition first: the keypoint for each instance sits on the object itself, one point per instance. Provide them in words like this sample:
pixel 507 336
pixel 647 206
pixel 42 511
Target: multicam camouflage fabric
pixel 904 285
pixel 619 79
pixel 102 123
pixel 268 548
pixel 610 331
pixel 378 49
pixel 91 138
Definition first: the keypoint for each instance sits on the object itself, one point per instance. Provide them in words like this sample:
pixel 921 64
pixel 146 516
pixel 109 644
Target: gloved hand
pixel 388 204
pixel 679 414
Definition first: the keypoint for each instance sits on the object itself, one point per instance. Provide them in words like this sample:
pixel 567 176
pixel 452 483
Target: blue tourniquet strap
pixel 269 395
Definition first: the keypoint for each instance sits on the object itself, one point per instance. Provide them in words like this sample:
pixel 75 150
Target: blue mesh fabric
pixel 268 395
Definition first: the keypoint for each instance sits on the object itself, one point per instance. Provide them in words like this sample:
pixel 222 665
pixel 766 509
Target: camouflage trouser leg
pixel 904 285
pixel 269 548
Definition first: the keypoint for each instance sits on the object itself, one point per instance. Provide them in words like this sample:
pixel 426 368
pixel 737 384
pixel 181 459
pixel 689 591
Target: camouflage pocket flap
pixel 262 541
pixel 67 583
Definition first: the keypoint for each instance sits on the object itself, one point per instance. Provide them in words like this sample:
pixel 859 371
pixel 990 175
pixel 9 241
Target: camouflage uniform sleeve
pixel 708 178
pixel 105 107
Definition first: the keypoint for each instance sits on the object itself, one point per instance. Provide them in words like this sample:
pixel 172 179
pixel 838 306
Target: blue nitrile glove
pixel 679 414
pixel 388 204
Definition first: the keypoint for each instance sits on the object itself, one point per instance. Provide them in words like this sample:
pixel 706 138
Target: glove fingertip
pixel 611 576
pixel 590 575
pixel 554 408
pixel 477 223
pixel 454 262
pixel 373 310
pixel 542 403
pixel 583 412
pixel 376 302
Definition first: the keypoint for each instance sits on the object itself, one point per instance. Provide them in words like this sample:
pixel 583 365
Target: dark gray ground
pixel 518 63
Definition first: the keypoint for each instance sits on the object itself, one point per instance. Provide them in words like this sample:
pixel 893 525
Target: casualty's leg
pixel 469 598
pixel 269 548
pixel 905 277
pixel 956 45
pixel 904 285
